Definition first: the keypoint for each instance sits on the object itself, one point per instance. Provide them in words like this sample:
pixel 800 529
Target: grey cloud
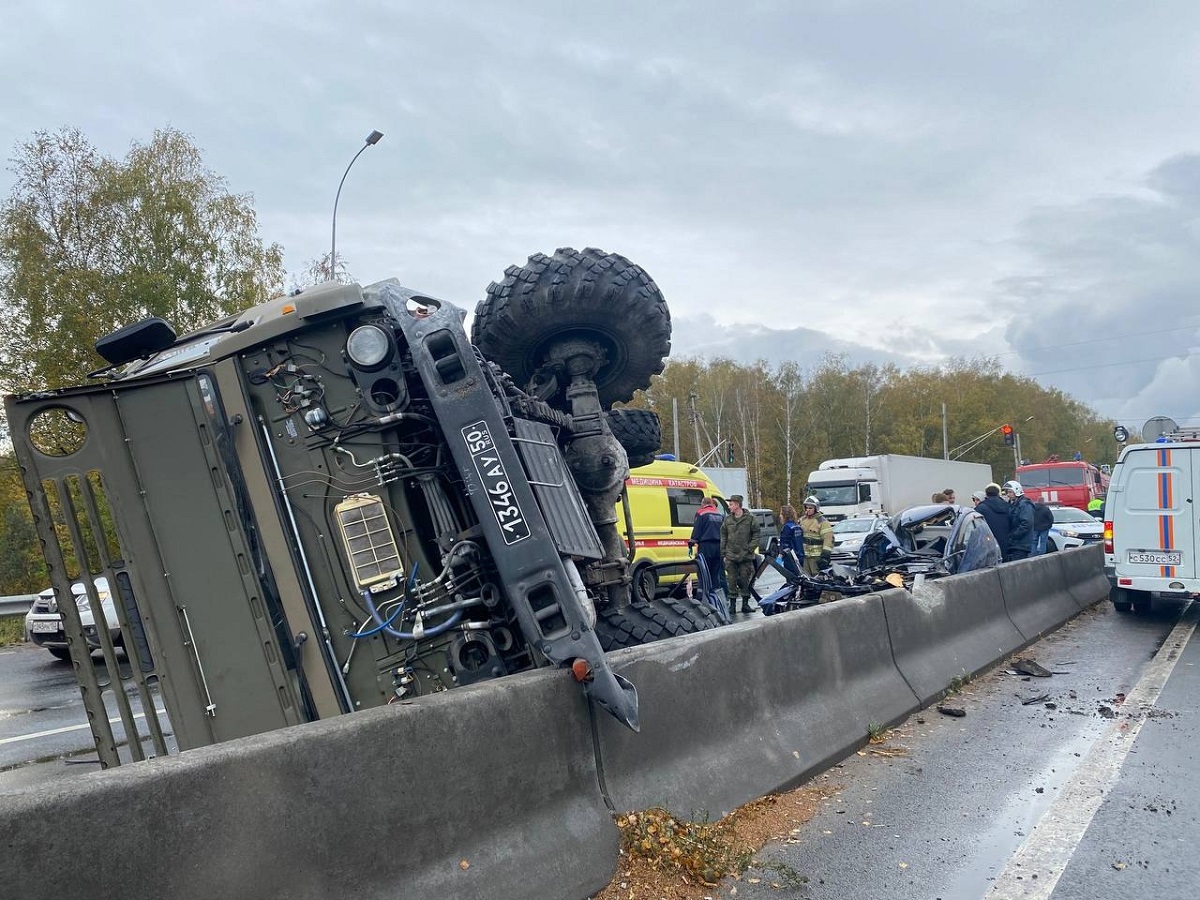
pixel 1111 315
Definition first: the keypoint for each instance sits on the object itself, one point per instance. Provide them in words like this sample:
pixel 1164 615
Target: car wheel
pixel 643 622
pixel 644 581
pixel 587 295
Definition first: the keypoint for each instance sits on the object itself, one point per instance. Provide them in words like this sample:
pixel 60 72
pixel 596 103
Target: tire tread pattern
pixel 643 622
pixel 577 292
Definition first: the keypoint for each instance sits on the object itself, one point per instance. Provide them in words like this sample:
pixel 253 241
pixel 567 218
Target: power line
pixel 1116 337
pixel 1128 362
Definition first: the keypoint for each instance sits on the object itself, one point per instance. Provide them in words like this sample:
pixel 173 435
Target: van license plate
pixel 1157 557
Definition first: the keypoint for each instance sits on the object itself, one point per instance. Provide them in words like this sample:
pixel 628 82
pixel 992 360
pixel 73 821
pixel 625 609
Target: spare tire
pixel 590 295
pixel 645 621
pixel 639 431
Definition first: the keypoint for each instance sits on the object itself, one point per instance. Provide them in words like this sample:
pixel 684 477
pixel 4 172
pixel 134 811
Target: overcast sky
pixel 900 181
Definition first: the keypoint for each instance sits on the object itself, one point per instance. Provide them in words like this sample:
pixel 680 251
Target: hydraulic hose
pixel 386 627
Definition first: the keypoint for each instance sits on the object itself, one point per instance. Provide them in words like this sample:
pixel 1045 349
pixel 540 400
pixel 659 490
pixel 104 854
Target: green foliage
pixel 89 244
pixel 12 630
pixel 785 421
pixel 22 569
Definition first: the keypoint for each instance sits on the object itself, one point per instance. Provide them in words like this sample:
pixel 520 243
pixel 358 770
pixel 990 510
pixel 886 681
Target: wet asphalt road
pixel 945 819
pixel 43 728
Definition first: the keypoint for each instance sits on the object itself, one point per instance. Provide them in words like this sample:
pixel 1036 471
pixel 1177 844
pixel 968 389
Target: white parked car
pixel 1073 528
pixel 44 624
pixel 848 536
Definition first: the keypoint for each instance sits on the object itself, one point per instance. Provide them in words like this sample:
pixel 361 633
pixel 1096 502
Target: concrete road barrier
pixel 483 792
pixel 949 628
pixel 733 714
pixel 1083 574
pixel 1035 595
pixel 499 790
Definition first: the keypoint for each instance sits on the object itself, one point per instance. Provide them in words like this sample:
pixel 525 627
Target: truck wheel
pixel 639 431
pixel 642 622
pixel 585 295
pixel 1121 600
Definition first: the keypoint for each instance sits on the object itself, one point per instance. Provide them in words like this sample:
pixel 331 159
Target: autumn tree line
pixel 90 243
pixel 781 422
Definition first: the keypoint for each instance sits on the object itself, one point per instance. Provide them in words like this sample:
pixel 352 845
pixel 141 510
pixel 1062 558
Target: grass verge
pixel 12 630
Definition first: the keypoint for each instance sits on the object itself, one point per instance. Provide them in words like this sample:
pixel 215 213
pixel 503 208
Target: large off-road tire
pixel 639 431
pixel 642 622
pixel 588 294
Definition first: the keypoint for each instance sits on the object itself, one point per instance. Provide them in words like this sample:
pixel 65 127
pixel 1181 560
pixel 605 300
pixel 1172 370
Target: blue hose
pixel 386 627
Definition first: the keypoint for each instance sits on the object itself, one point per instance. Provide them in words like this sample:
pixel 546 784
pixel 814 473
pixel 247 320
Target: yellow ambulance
pixel 663 500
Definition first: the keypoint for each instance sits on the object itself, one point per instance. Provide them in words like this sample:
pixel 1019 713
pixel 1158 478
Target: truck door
pixel 1156 531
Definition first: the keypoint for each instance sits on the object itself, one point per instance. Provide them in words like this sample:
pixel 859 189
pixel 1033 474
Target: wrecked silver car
pixel 932 540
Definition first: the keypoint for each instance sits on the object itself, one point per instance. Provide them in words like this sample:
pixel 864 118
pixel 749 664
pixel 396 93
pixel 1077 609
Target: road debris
pixel 1029 701
pixel 955 711
pixel 1031 668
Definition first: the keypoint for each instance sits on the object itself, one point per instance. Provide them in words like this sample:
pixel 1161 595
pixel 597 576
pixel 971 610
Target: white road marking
pixel 53 731
pixel 1052 843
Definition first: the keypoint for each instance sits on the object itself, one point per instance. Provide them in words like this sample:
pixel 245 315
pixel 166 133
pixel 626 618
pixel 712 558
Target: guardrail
pixel 505 790
pixel 16 605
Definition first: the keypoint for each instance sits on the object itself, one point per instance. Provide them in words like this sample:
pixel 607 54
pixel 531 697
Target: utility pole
pixel 945 436
pixel 675 423
pixel 695 423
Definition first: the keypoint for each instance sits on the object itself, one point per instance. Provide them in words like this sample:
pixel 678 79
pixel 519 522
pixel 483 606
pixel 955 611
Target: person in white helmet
pixel 818 537
pixel 1020 520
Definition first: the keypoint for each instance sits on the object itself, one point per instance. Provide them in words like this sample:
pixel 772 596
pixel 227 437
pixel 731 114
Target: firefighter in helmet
pixel 818 537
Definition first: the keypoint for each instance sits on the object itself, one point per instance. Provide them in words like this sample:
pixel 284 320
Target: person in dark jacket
pixel 1043 521
pixel 995 512
pixel 706 538
pixel 790 538
pixel 1020 521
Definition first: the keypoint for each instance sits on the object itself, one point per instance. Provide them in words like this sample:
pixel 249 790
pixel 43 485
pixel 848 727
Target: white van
pixel 1150 521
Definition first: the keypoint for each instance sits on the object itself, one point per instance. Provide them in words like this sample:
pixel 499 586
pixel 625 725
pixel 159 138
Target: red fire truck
pixel 1071 483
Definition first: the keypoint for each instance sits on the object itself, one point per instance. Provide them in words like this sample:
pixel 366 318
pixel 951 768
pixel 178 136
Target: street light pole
pixel 372 139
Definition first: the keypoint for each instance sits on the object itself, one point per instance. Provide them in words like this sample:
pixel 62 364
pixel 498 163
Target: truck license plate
pixel 496 485
pixel 1157 557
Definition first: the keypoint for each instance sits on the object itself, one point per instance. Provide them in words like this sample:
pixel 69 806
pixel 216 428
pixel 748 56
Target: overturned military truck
pixel 335 499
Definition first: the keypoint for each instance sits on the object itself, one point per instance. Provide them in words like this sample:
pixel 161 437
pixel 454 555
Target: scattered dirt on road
pixel 667 858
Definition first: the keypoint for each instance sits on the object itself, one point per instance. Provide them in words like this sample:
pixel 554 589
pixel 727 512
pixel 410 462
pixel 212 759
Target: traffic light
pixel 1010 439
pixel 729 456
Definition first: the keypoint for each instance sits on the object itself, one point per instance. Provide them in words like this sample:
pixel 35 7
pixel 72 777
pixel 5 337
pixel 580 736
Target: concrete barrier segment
pixel 1083 574
pixel 487 791
pixel 1036 595
pixel 949 628
pixel 731 715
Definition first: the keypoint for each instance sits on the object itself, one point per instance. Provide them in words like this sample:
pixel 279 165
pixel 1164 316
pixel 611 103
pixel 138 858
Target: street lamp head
pixel 374 136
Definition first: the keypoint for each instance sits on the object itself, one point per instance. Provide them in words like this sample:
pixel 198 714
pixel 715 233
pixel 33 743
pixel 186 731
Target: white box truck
pixel 1150 524
pixel 888 483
